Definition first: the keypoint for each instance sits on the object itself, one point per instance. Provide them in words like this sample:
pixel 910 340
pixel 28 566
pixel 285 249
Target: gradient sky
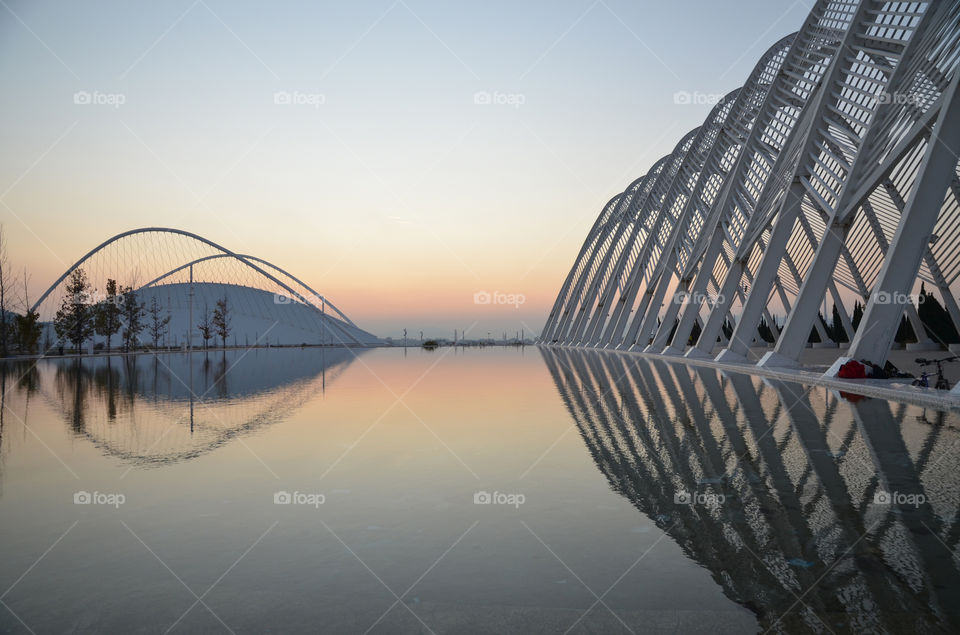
pixel 398 197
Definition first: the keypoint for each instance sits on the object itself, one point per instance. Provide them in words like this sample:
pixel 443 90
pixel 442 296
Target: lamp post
pixel 190 327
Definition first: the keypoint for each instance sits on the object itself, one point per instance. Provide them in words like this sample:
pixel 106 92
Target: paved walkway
pixel 815 361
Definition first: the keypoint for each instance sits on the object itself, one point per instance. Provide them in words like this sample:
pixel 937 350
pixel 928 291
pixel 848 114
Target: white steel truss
pixel 833 172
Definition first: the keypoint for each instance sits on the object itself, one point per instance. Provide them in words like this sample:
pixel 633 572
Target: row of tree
pixel 82 315
pixel 934 317
pixel 18 331
pixel 120 311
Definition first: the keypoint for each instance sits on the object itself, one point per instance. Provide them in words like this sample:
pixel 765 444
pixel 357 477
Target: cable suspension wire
pixel 158 263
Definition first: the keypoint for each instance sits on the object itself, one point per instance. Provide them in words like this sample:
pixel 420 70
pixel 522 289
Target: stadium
pixel 185 275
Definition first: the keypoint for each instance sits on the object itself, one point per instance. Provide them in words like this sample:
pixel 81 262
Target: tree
pixel 13 332
pixel 814 334
pixel 837 332
pixel 765 332
pixel 132 314
pixel 857 315
pixel 28 325
pixel 695 332
pixel 727 328
pixel 5 284
pixel 28 330
pixel 905 332
pixel 206 327
pixel 108 313
pixel 74 320
pixel 936 320
pixel 221 320
pixel 157 325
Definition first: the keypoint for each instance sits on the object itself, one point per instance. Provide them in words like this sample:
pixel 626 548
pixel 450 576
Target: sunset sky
pixel 387 187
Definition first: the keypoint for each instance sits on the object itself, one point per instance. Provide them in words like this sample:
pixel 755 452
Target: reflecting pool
pixel 498 490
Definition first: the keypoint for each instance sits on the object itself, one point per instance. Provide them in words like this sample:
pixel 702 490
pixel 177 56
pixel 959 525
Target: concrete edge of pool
pixel 890 389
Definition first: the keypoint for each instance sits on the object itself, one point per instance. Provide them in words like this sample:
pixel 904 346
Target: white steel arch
pixel 243 258
pixel 158 253
pixel 832 173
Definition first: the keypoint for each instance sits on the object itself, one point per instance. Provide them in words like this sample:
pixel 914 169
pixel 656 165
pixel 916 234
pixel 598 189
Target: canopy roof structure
pixel 831 173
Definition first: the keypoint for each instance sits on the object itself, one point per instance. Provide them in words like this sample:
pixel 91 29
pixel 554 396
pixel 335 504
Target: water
pixel 626 495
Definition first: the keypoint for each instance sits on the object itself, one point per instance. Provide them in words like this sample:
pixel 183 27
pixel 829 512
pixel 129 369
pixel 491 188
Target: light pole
pixel 190 326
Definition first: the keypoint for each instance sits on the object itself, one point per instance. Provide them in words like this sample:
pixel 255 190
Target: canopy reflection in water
pixel 813 511
pixel 164 409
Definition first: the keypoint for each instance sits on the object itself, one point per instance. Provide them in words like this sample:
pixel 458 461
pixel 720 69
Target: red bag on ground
pixel 852 370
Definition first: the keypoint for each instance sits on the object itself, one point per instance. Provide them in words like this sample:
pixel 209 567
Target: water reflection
pixel 156 410
pixel 19 377
pixel 780 490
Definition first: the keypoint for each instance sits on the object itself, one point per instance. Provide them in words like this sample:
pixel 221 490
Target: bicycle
pixel 924 379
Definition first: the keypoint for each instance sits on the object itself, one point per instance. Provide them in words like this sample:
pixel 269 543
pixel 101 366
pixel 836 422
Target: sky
pixel 399 156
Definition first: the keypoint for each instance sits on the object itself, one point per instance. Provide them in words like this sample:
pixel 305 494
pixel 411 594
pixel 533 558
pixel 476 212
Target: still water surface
pixel 486 490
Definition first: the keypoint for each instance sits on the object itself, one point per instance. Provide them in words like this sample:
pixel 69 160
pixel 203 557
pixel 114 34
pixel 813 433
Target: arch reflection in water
pixel 153 411
pixel 815 512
